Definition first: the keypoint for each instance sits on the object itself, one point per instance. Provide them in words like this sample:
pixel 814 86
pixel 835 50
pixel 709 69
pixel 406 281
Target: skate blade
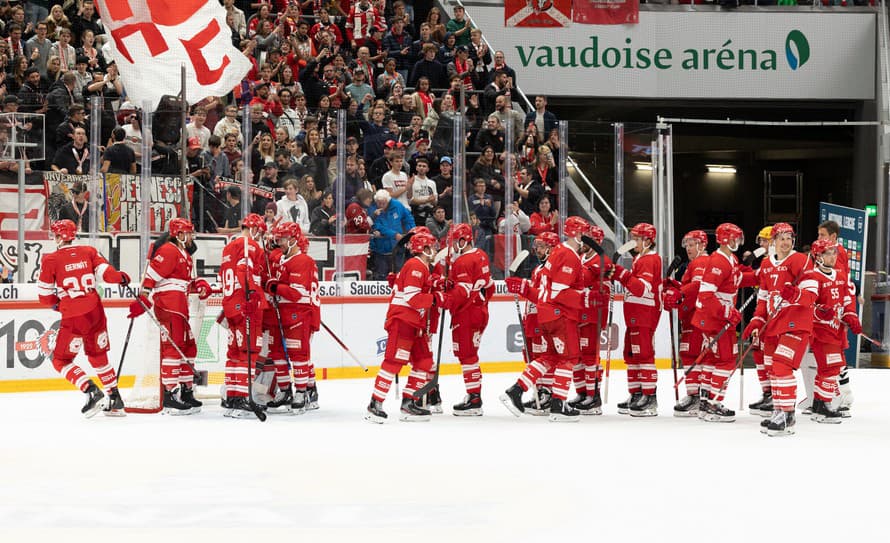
pixel 312 406
pixel 761 413
pixel 716 418
pixel 115 413
pixel 404 417
pixel 623 411
pixel 508 403
pixel 468 413
pixel 686 414
pixel 779 433
pixel 372 418
pixel 436 409
pixel 176 412
pixel 536 412
pixel 239 414
pixel 591 412
pixel 280 410
pixel 558 417
pixel 646 413
pixel 822 419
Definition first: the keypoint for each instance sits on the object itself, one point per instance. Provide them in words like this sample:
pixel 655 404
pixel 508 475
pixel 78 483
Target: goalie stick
pixel 514 266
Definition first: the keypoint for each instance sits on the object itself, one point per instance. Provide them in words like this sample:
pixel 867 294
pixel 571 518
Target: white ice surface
pixel 330 476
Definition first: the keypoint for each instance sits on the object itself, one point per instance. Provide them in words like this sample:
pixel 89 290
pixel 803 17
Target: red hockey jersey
pixel 233 270
pixel 720 285
pixel 298 296
pixel 472 285
pixel 833 292
pixel 592 281
pixel 411 299
pixel 562 284
pixel 168 274
pixel 785 316
pixel 68 278
pixel 690 283
pixel 642 301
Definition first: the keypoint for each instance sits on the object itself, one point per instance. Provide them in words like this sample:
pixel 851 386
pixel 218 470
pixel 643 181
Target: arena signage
pixel 747 55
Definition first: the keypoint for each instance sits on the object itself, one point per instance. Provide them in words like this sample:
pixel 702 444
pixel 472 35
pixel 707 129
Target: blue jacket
pixel 550 121
pixel 396 219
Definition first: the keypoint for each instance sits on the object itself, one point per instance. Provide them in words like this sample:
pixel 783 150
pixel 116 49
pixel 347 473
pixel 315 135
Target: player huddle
pixel 271 308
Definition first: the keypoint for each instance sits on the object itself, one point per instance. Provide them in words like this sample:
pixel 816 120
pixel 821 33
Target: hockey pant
pixel 782 355
pixel 692 342
pixel 175 370
pixel 639 355
pixel 466 335
pixel 538 351
pixel 829 363
pixel 560 357
pixel 587 374
pixel 404 345
pixel 236 357
pixel 717 365
pixel 90 333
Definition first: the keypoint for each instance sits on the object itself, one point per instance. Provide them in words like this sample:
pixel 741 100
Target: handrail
pixel 569 160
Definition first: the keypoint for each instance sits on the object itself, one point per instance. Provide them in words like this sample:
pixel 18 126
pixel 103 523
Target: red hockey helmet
pixel 728 232
pixel 575 226
pixel 695 235
pixel 421 241
pixel 461 231
pixel 597 233
pixel 643 230
pixel 821 246
pixel 782 228
pixel 550 239
pixel 65 229
pixel 288 230
pixel 254 221
pixel 180 225
pixel 419 230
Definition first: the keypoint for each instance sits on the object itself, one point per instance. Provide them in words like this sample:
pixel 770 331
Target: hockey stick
pixel 514 266
pixel 431 384
pixel 278 318
pixel 247 271
pixel 120 365
pixel 675 263
pixel 876 343
pixel 598 249
pixel 343 346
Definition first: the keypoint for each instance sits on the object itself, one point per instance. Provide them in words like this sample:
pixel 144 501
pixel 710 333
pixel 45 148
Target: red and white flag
pixel 152 39
pixel 606 12
pixel 531 13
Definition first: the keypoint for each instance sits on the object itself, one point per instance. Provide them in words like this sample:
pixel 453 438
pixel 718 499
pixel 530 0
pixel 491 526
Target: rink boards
pixel 354 311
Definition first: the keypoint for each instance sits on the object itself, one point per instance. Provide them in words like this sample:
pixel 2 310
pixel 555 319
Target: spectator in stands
pixel 309 192
pixel 219 162
pixel 357 220
pixel 544 120
pixel 447 51
pixel 15 80
pixel 462 68
pixel 196 128
pixel 405 112
pixel 424 97
pixel 503 110
pixel 352 180
pixel 58 102
pixel 529 189
pixel 397 43
pixel 414 131
pixel 38 48
pixel 545 219
pixel 391 221
pixel 492 136
pixel 231 149
pixel 425 36
pixel 229 124
pixel 460 26
pixel 317 159
pixel 288 166
pixel 438 224
pixel 259 121
pixel 481 57
pixel 395 181
pixel 118 158
pixel 488 168
pixel 95 57
pixel 65 51
pixel 324 217
pixel 482 205
pixel 437 26
pixel 499 87
pixel 84 78
pixel 269 215
pixel 32 94
pixel 64 132
pixel 375 134
pixel 109 88
pixel 53 70
pixel 422 192
pixel 268 181
pixel 500 64
pixel 292 207
pixel 443 110
pixel 545 171
pixel 133 133
pixel 388 78
pixel 73 157
pixel 231 223
pixel 362 20
pixel 515 221
pixel 238 18
pixel 78 208
pixel 359 90
pixel 14 39
pixel 430 68
pixel 86 19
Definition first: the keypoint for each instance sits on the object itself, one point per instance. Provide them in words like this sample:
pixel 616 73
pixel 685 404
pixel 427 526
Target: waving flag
pixel 152 39
pixel 606 12
pixel 531 13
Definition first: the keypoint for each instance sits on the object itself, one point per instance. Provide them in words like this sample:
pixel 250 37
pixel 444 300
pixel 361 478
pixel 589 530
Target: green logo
pixel 799 54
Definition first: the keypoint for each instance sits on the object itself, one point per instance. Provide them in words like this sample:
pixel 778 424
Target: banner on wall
pixel 538 13
pixel 614 12
pixel 33 213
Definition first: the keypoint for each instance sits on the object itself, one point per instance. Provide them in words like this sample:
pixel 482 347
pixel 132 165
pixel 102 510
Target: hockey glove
pixel 139 306
pixel 753 328
pixel 592 299
pixel 670 282
pixel 435 282
pixel 391 279
pixel 852 322
pixel 202 287
pixel 620 274
pixel 443 300
pixel 825 313
pixel 517 285
pixel 790 293
pixel 734 317
pixel 671 298
pixel 125 279
pixel 272 286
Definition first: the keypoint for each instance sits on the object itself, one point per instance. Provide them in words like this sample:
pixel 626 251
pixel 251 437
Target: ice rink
pixel 330 476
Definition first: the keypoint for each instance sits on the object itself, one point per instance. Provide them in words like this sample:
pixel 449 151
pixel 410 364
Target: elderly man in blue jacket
pixel 391 221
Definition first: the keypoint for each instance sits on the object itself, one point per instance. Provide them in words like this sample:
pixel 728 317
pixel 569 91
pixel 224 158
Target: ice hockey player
pixel 681 296
pixel 561 299
pixel 408 321
pixel 764 406
pixel 537 347
pixel 466 297
pixel 243 305
pixel 587 373
pixel 296 287
pixel 642 309
pixel 782 322
pixel 715 309
pixel 835 306
pixel 165 287
pixel 67 283
pixel 272 385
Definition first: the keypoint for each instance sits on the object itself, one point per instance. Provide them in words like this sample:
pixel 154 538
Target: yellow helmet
pixel 766 233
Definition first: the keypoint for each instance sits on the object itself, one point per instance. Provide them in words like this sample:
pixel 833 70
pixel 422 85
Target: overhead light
pixel 644 166
pixel 720 168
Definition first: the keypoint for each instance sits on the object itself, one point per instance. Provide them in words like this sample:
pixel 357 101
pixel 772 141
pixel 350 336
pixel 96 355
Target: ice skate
pixel 717 412
pixel 687 407
pixel 239 408
pixel 470 407
pixel 824 414
pixel 592 405
pixel 115 406
pixel 645 406
pixel 375 413
pixel 842 403
pixel 411 412
pixel 172 405
pixel 560 411
pixel 299 406
pixel 311 398
pixel 781 424
pixel 187 396
pixel 512 400
pixel 573 403
pixel 624 407
pixel 94 401
pixel 544 397
pixel 434 401
pixel 762 407
pixel 281 403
